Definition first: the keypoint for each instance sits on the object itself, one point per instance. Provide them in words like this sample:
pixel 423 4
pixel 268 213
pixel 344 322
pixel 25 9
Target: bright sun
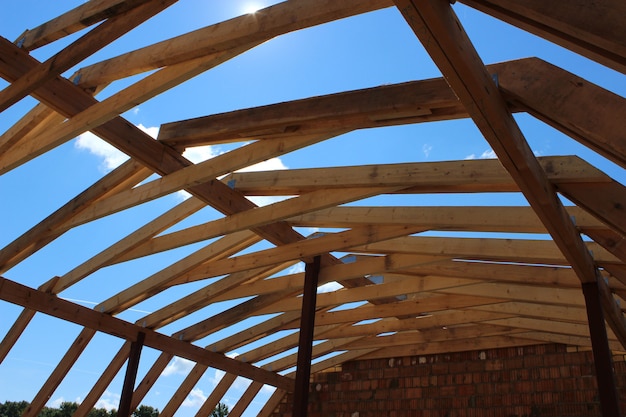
pixel 251 7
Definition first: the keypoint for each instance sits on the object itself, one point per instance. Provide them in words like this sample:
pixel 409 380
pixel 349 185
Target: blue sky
pixel 365 51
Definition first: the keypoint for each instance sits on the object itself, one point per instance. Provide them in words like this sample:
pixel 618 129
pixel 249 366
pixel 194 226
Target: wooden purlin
pixel 497 299
pixel 595 30
pixel 72 21
pixel 437 27
pixel 49 304
pixel 97 38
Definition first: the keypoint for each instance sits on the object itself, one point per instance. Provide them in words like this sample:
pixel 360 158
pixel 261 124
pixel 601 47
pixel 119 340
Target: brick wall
pixel 532 381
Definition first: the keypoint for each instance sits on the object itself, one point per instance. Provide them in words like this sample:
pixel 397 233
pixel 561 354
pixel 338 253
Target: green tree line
pixel 67 409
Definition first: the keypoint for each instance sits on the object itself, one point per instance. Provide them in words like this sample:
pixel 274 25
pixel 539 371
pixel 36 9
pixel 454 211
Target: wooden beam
pixel 246 398
pixel 132 367
pixel 73 21
pixel 62 368
pixel 372 107
pixel 594 30
pixel 20 324
pixel 439 30
pixel 183 390
pixel 449 346
pixel 567 102
pixel 486 249
pixel 305 343
pixel 216 395
pixel 87 404
pixel 199 174
pixel 150 378
pixel 508 219
pixel 203 297
pixel 49 304
pixel 162 279
pixel 92 41
pixel 602 357
pixel 486 175
pixel 46 231
pixel 251 28
pixel 137 238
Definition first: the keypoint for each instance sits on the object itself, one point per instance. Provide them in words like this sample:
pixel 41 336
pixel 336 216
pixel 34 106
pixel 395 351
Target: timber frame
pixel 486 292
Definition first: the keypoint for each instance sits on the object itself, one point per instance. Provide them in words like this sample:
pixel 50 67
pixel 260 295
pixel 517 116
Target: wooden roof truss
pixel 416 294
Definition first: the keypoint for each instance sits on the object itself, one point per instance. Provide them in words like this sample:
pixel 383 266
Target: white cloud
pixel 178 366
pixel 488 154
pixel 109 401
pixel 56 403
pixel 201 153
pixel 195 398
pixel 112 157
pixel 426 149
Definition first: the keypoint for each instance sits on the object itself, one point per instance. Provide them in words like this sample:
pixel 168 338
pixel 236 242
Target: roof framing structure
pixel 398 289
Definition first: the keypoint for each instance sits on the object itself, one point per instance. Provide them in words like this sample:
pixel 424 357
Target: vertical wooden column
pixel 131 375
pixel 305 344
pixel 602 357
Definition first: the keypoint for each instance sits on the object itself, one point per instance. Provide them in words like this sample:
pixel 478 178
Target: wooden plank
pixel 45 231
pixel 39 115
pixel 92 41
pixel 183 390
pixel 525 293
pixel 270 213
pixel 305 340
pixel 259 27
pixel 606 201
pixel 463 218
pixel 246 398
pixel 160 280
pixel 432 335
pixel 198 174
pixel 403 103
pixel 117 104
pixel 131 375
pixel 19 294
pixel 73 21
pixel 62 368
pixel 449 346
pixel 399 289
pixel 486 249
pixel 150 378
pixel 203 297
pixel 403 308
pixel 378 265
pixel 20 324
pixel 594 30
pixel 104 380
pixel 137 238
pixel 506 272
pixel 439 30
pixel 447 318
pixel 301 250
pixel 570 314
pixel 216 395
pixel 569 103
pixel 271 404
pixel 254 333
pixel 477 175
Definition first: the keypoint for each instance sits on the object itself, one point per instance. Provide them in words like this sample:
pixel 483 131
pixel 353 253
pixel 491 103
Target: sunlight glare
pixel 251 7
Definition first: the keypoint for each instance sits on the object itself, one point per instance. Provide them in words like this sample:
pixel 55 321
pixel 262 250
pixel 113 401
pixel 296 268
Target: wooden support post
pixel 131 375
pixel 609 402
pixel 305 344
